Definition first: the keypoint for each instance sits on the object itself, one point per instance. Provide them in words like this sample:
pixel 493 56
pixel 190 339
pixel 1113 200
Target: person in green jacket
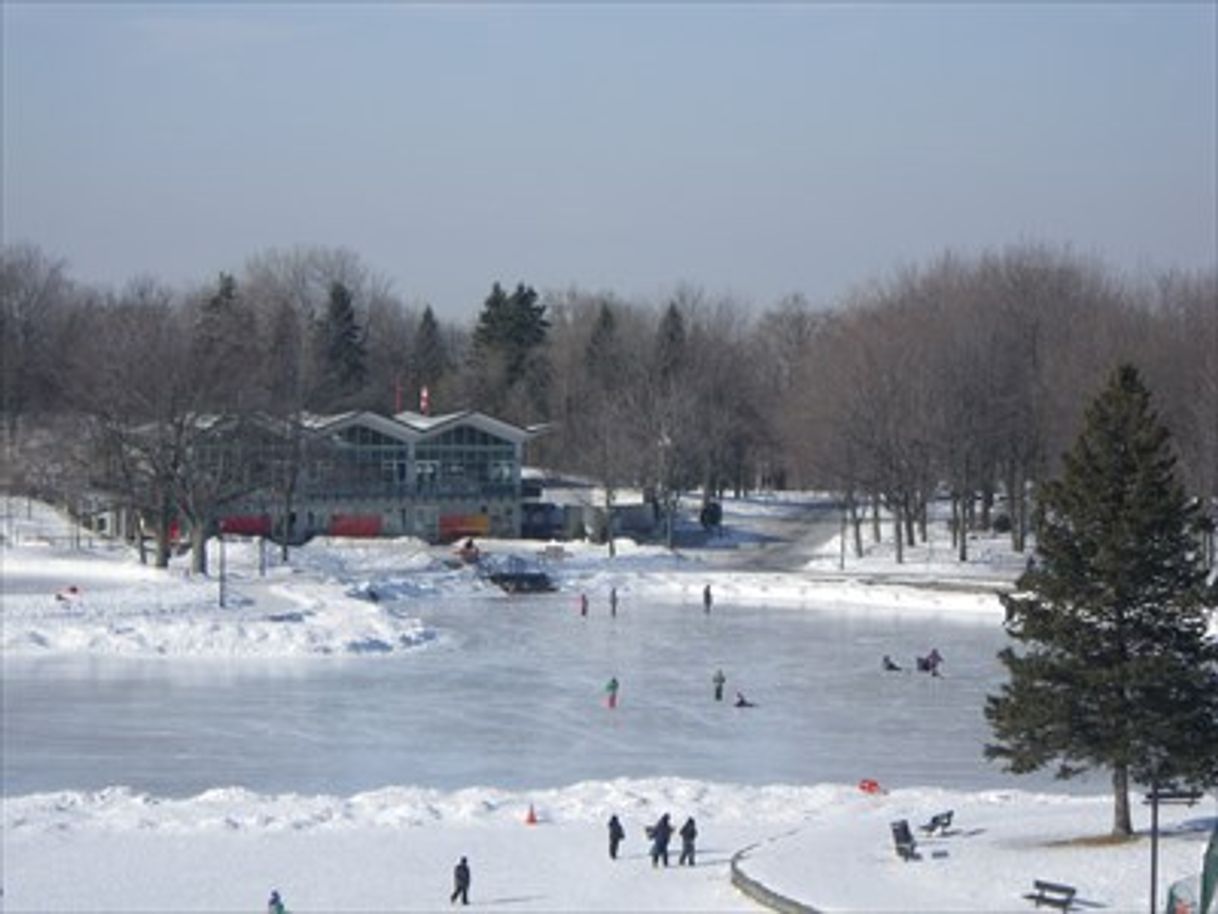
pixel 611 688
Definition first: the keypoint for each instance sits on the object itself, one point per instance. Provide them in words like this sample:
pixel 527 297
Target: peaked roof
pixel 428 426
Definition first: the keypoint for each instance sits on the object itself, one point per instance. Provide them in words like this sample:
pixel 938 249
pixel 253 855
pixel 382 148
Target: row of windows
pixel 461 436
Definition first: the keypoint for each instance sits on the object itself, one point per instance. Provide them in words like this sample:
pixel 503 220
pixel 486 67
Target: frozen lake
pixel 510 694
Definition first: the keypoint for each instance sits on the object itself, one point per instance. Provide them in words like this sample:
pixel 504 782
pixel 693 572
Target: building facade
pixel 439 478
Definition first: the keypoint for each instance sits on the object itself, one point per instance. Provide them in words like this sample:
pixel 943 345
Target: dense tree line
pixel 964 377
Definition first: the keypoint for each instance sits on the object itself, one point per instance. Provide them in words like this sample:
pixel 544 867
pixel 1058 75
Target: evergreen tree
pixel 512 326
pixel 508 354
pixel 601 354
pixel 223 348
pixel 430 357
pixel 670 345
pixel 341 348
pixel 1115 669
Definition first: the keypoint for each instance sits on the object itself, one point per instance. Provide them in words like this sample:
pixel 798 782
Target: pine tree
pixel 670 345
pixel 508 353
pixel 601 354
pixel 430 353
pixel 1115 670
pixel 222 347
pixel 341 348
pixel 513 326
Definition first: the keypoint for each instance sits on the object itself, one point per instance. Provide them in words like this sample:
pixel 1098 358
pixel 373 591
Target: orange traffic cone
pixel 531 818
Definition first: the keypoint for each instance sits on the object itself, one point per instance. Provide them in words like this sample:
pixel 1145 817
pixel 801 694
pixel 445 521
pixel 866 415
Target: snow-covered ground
pixel 87 633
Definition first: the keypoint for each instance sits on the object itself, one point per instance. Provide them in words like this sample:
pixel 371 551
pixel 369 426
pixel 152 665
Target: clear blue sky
pixel 755 150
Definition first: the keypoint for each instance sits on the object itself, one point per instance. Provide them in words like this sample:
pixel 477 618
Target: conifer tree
pixel 341 348
pixel 223 348
pixel 511 372
pixel 430 353
pixel 1115 670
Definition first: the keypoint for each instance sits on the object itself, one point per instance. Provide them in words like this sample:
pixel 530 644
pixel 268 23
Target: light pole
pixel 1155 763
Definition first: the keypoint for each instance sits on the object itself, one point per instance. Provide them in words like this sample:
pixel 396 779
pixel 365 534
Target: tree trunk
pixel 896 531
pixel 962 533
pixel 163 520
pixel 198 547
pixel 609 521
pixel 875 518
pixel 1122 825
pixel 908 510
pixel 856 521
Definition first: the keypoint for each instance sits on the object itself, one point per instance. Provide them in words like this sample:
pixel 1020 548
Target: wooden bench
pixel 903 839
pixel 1173 796
pixel 938 823
pixel 1053 894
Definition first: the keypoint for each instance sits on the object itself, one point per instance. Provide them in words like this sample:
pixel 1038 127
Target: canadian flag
pixel 425 402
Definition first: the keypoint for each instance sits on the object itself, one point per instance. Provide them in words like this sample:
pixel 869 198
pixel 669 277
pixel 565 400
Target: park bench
pixel 940 823
pixel 1053 894
pixel 1173 795
pixel 902 837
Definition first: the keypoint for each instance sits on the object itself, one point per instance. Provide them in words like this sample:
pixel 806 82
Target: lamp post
pixel 1156 761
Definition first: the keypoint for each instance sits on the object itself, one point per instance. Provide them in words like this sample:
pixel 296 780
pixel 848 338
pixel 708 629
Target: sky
pixel 751 151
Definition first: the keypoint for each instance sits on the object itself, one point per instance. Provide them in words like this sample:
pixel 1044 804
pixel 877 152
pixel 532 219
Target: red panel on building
pixel 355 525
pixel 247 525
pixel 456 526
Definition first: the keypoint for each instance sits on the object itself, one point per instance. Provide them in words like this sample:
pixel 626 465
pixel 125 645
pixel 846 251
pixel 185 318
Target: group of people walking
pixel 660 835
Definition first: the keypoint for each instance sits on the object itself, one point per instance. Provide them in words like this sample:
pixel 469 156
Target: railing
pixel 762 894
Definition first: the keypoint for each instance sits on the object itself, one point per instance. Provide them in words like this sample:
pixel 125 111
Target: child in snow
pixel 742 702
pixel 275 904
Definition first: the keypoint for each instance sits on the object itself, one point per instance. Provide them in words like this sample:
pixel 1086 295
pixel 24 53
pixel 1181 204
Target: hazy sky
pixel 753 150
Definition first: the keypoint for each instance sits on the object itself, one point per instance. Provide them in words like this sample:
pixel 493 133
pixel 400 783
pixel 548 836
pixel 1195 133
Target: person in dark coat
pixel 689 832
pixel 719 681
pixel 660 834
pixel 890 666
pixel 460 882
pixel 706 598
pixel 616 834
pixel 275 904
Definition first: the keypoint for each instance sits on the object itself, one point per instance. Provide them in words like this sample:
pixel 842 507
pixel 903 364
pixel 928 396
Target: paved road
pixel 780 541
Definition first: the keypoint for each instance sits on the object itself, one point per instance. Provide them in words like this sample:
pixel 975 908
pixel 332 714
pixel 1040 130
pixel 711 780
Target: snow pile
pixel 392 849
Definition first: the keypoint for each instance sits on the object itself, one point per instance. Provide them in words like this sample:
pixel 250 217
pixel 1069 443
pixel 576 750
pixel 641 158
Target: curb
pixel 763 895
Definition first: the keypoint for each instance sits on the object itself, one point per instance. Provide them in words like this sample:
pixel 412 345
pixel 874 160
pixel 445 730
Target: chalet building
pixel 439 478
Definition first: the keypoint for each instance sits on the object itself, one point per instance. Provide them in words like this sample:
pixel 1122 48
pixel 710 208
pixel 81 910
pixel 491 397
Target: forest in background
pixel 963 377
